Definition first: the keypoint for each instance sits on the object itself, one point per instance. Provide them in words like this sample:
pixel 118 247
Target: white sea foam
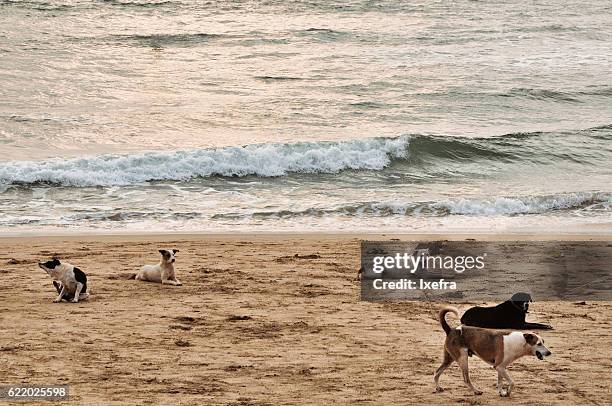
pixel 257 159
pixel 485 207
pixel 526 205
pixel 496 205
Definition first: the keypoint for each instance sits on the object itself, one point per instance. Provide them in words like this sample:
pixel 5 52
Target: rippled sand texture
pixel 254 325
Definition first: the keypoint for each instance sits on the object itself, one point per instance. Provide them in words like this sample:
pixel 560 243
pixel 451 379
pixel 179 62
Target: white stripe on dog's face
pixel 536 346
pixel 540 350
pixel 168 256
pixel 52 267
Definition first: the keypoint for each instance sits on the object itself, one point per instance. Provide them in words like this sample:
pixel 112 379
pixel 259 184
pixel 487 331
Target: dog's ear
pixel 531 339
pixel 163 252
pixel 175 251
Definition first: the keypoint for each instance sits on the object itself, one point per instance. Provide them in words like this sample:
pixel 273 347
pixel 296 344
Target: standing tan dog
pixel 161 273
pixel 496 347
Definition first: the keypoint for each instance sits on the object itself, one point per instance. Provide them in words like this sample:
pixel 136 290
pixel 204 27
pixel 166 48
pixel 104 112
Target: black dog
pixel 508 315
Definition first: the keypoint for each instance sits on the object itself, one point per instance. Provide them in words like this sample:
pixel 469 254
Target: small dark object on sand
pixel 182 343
pixel 238 318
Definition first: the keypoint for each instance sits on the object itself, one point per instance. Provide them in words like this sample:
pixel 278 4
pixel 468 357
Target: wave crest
pixel 411 153
pixel 266 160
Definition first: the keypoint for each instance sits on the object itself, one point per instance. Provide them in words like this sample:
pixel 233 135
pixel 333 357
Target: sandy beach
pixel 255 324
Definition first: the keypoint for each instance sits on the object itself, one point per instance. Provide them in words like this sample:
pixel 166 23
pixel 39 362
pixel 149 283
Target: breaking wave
pixel 325 157
pixel 265 160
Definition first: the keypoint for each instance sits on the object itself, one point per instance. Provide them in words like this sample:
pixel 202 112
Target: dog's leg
pixel 79 287
pixel 536 326
pixel 462 360
pixel 58 286
pixel 502 369
pixel 448 359
pixel 164 278
pixel 500 381
pixel 60 296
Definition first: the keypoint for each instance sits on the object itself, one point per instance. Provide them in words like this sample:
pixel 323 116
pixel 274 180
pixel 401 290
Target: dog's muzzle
pixel 541 355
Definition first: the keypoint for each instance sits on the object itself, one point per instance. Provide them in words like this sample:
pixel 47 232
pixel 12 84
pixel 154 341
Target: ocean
pixel 305 116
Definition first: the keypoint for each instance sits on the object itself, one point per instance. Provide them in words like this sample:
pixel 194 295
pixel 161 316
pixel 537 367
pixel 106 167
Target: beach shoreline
pixel 157 236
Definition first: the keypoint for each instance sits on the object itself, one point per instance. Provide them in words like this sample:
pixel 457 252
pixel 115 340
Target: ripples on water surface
pixel 362 115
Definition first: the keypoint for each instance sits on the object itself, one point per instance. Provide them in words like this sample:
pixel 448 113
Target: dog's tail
pixel 442 317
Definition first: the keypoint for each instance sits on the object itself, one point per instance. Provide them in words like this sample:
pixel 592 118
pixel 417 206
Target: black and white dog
pixel 163 272
pixel 69 281
pixel 508 315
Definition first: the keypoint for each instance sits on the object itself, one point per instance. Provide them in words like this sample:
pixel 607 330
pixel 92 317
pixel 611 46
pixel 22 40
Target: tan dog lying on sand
pixel 161 273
